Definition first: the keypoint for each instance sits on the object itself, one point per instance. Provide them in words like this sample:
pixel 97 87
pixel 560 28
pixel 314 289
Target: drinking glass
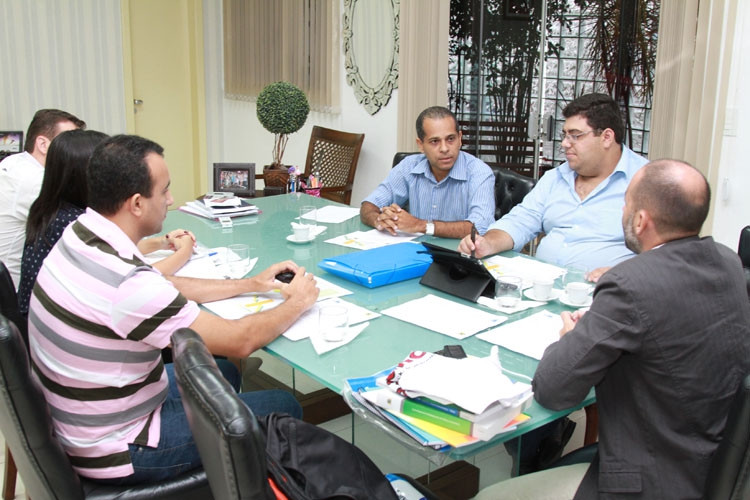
pixel 508 291
pixel 310 216
pixel 333 322
pixel 238 259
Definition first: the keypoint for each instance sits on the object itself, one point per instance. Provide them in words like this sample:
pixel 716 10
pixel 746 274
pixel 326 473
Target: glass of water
pixel 508 291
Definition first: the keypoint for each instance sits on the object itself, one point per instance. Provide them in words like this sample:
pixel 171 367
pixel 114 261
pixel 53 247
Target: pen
pixel 473 240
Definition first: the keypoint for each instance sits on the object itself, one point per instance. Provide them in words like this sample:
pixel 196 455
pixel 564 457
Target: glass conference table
pixel 387 340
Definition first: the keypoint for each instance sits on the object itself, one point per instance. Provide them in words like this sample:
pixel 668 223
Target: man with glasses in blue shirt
pixel 577 205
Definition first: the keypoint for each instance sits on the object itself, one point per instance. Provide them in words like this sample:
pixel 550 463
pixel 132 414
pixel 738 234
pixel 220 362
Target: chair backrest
pixel 510 189
pixel 743 249
pixel 398 157
pixel 26 425
pixel 226 432
pixel 334 155
pixel 9 302
pixel 729 474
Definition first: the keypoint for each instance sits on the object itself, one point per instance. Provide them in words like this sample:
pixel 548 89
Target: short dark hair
pixel 118 170
pixel 64 179
pixel 673 206
pixel 434 113
pixel 600 111
pixel 45 123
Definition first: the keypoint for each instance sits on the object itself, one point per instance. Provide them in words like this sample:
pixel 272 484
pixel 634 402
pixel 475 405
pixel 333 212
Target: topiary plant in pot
pixel 282 109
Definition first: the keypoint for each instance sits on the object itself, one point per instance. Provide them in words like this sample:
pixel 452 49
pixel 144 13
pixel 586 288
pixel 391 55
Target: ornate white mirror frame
pixel 371 42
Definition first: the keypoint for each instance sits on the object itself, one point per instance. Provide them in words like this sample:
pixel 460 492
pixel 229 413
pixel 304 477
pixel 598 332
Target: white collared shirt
pixel 20 181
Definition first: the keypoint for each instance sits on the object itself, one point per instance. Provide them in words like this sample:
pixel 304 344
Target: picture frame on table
pixel 237 178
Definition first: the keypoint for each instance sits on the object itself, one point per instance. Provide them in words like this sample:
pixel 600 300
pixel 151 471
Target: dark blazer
pixel 666 343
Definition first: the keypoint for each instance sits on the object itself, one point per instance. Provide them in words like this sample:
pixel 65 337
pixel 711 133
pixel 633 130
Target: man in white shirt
pixel 21 179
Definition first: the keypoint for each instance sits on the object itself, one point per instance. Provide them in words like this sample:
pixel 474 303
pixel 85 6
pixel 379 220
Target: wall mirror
pixel 371 50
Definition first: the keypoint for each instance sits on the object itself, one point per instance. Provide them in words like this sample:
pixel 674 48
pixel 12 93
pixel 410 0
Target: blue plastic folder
pixel 380 266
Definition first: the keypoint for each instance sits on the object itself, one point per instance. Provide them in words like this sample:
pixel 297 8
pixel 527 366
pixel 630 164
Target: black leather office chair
pixel 9 302
pixel 230 442
pixel 729 475
pixel 229 439
pixel 743 249
pixel 42 462
pixel 510 189
pixel 400 156
pixel 9 309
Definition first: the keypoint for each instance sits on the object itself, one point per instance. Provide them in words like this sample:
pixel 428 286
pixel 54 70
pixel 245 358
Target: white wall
pixel 732 202
pixel 236 135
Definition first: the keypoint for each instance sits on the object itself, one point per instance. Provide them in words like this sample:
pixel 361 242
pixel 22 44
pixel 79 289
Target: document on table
pixel 529 336
pixel 526 269
pixel 251 303
pixel 331 214
pixel 365 240
pixel 205 264
pixel 444 316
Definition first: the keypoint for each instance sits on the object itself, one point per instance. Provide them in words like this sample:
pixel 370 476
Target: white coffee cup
pixel 333 323
pixel 301 232
pixel 542 288
pixel 578 292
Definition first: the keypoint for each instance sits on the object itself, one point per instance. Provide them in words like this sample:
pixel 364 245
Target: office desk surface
pixel 386 341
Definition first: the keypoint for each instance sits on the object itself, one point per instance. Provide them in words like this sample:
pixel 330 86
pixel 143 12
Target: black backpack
pixel 309 463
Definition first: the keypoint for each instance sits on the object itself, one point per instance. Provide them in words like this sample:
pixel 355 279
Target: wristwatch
pixel 429 229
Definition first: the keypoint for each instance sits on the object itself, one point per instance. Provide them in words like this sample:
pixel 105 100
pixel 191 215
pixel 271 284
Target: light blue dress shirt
pixel 466 193
pixel 586 233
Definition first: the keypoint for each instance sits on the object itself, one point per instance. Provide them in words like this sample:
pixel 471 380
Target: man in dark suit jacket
pixel 665 343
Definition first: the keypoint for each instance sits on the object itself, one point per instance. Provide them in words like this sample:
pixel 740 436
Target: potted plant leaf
pixel 282 109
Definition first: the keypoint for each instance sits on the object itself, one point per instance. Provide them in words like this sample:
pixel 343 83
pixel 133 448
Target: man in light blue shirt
pixel 447 190
pixel 578 205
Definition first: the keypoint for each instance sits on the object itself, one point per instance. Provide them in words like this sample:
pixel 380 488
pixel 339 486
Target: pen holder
pixel 313 191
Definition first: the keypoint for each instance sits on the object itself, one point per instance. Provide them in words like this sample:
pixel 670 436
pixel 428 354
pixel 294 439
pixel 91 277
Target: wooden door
pixel 163 48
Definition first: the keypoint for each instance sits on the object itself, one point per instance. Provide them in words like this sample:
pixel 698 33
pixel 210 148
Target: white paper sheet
pixel 307 324
pixel 206 263
pixel 522 305
pixel 444 316
pixel 251 303
pixel 365 240
pixel 526 269
pixel 529 336
pixel 331 214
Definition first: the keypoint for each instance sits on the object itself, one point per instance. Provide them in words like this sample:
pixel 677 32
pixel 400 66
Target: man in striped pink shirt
pixel 99 317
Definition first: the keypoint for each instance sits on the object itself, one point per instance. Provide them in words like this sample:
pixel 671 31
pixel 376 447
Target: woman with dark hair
pixel 63 198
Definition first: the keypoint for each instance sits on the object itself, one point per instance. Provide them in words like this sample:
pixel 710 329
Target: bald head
pixel 675 195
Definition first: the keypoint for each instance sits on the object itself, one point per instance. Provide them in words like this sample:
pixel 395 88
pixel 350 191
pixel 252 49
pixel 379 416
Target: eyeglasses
pixel 572 138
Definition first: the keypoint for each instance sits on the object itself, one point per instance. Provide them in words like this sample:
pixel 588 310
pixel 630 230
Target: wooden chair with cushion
pixel 42 463
pixel 333 155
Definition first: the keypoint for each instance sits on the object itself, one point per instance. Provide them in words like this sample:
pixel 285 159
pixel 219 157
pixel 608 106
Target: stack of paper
pixel 432 419
pixel 212 208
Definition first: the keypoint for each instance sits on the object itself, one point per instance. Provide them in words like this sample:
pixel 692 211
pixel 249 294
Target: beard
pixel 631 242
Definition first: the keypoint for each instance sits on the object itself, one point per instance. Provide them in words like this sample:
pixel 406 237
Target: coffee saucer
pixel 565 300
pixel 291 238
pixel 554 293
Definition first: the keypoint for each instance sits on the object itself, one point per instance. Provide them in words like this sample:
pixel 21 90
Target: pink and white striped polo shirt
pixel 98 319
